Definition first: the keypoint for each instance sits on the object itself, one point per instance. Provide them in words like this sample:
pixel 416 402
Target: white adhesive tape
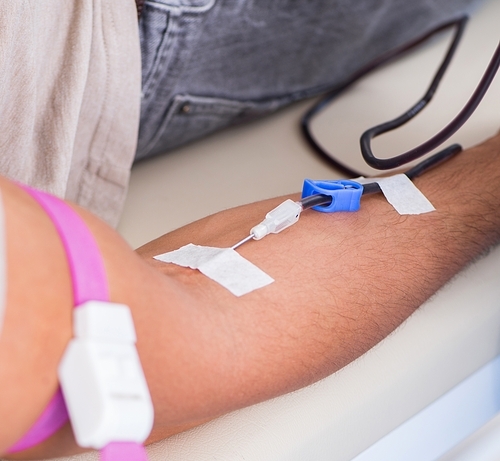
pixel 223 265
pixel 402 194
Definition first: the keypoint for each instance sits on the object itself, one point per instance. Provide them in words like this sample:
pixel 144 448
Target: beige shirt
pixel 70 98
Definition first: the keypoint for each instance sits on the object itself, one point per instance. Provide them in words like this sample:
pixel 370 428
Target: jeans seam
pixel 163 57
pixel 183 8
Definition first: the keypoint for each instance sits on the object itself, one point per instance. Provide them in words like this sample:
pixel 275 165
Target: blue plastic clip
pixel 346 195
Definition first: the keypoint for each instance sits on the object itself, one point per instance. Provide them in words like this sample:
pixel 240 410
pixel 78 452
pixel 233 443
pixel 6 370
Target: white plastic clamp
pixel 102 379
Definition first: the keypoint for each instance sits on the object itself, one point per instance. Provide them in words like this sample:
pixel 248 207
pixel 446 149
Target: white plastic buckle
pixel 102 379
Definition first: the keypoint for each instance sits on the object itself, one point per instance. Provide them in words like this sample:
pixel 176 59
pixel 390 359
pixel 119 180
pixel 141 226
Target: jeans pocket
pixel 190 117
pixel 169 30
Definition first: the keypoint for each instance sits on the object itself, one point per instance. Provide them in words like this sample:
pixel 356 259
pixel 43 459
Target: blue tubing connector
pixel 345 194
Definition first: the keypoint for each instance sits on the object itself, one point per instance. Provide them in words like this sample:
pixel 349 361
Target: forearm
pixel 343 282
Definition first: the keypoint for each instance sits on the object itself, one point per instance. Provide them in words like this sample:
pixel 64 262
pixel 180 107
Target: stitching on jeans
pixel 161 56
pixel 183 8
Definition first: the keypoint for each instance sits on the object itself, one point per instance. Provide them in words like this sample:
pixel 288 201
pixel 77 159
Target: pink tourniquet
pixel 89 284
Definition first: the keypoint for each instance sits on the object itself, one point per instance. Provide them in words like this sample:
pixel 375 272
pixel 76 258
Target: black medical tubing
pixel 373 187
pixel 429 145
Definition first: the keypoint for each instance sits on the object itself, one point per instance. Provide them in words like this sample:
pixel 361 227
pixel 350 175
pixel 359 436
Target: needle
pixel 246 239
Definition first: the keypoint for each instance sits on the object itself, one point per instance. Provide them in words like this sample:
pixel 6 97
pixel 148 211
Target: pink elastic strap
pixel 52 419
pixel 84 258
pixel 89 283
pixel 125 451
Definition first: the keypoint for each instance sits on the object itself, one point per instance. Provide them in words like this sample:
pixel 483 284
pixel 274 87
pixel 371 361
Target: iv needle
pixel 246 239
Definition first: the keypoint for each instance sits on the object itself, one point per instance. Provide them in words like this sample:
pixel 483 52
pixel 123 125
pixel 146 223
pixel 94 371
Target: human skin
pixel 343 282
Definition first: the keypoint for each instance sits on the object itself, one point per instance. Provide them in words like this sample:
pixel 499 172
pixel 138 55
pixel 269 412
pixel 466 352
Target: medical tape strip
pixel 402 194
pixel 223 265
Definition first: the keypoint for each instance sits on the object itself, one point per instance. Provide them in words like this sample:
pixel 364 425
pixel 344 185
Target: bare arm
pixel 343 282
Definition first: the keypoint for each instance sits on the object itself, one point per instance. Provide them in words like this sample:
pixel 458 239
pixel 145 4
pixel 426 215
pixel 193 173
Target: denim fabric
pixel 208 64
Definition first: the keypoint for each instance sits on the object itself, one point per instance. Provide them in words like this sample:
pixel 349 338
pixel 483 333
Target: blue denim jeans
pixel 208 64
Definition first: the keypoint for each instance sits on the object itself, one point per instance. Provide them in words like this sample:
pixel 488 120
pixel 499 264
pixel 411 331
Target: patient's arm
pixel 343 282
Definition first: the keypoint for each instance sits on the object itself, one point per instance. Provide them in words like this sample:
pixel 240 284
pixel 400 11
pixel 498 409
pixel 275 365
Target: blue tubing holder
pixel 346 195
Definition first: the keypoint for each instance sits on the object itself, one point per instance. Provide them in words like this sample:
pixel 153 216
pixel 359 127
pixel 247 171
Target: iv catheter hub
pixel 278 219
